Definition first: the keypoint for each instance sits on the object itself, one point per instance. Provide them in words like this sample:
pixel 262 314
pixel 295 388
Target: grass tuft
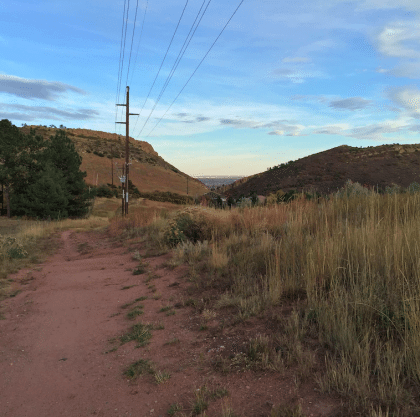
pixel 139 333
pixel 138 368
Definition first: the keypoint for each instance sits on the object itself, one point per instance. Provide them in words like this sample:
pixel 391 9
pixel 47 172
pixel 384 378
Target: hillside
pixel 148 171
pixel 325 172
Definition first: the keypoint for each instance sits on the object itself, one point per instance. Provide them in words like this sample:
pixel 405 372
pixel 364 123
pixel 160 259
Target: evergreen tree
pixel 43 177
pixel 18 158
pixel 43 197
pixel 62 154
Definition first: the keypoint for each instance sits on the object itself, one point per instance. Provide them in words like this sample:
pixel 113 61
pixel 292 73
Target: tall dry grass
pixel 355 260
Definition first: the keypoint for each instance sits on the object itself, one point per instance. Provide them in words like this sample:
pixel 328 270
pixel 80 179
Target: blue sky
pixel 284 80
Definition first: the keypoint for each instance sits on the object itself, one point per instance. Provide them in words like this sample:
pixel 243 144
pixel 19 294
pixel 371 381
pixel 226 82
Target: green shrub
pixel 11 248
pixel 105 191
pixel 186 226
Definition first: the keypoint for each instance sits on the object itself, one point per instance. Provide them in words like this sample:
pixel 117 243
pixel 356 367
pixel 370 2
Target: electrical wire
pixel 132 39
pixel 167 50
pixel 119 64
pixel 138 46
pixel 123 51
pixel 178 58
pixel 198 66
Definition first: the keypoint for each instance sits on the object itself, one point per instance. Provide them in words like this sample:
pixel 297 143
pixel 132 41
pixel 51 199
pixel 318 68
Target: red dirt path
pixel 56 333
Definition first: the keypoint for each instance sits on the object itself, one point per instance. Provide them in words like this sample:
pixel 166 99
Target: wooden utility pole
pixel 127 148
pixel 112 167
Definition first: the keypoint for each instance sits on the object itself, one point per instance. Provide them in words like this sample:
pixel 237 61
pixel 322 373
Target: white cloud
pixel 400 39
pixel 407 97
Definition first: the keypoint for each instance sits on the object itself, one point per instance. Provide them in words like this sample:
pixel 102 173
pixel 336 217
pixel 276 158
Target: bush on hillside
pixel 167 196
pixel 105 191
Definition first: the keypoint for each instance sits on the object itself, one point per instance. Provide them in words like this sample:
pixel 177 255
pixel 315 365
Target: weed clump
pixel 140 333
pixel 139 368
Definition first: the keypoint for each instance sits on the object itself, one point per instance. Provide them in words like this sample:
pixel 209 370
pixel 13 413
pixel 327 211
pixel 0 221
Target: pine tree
pixel 44 197
pixel 18 158
pixel 61 152
pixel 43 177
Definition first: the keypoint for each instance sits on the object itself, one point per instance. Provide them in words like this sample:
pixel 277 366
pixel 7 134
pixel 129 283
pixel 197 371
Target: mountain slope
pixel 148 171
pixel 327 171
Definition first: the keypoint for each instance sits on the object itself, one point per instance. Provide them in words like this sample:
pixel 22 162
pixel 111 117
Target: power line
pixel 176 29
pixel 132 39
pixel 138 46
pixel 119 63
pixel 179 57
pixel 123 50
pixel 198 66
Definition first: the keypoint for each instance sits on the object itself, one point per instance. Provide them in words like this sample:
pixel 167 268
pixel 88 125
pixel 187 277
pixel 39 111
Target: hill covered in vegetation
pixel 325 172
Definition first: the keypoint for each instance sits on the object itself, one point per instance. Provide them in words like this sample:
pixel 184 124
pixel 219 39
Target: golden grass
pixel 354 262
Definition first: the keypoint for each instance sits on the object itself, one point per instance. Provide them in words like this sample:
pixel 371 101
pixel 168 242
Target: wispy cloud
pixel 295 75
pixel 34 89
pixel 202 119
pixel 335 129
pixel 400 39
pixel 407 70
pixel 374 131
pixel 407 97
pixel 30 113
pixel 387 4
pixel 238 123
pixel 352 103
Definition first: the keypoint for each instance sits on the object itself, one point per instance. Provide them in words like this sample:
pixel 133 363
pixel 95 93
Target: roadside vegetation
pixel 347 264
pixel 26 242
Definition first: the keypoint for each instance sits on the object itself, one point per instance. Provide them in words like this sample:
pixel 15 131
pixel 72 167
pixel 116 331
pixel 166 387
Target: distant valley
pixel 218 180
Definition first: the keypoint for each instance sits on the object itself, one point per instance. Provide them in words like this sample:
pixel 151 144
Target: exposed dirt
pixel 56 356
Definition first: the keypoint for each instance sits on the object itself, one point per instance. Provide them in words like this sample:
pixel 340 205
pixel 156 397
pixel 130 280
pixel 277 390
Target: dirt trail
pixel 56 333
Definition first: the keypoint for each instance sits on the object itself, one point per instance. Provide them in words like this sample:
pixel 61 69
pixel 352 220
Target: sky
pixel 281 81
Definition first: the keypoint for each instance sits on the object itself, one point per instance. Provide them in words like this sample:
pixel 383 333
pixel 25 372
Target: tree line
pixel 41 178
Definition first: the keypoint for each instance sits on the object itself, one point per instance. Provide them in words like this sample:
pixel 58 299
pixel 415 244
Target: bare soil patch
pixel 63 352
